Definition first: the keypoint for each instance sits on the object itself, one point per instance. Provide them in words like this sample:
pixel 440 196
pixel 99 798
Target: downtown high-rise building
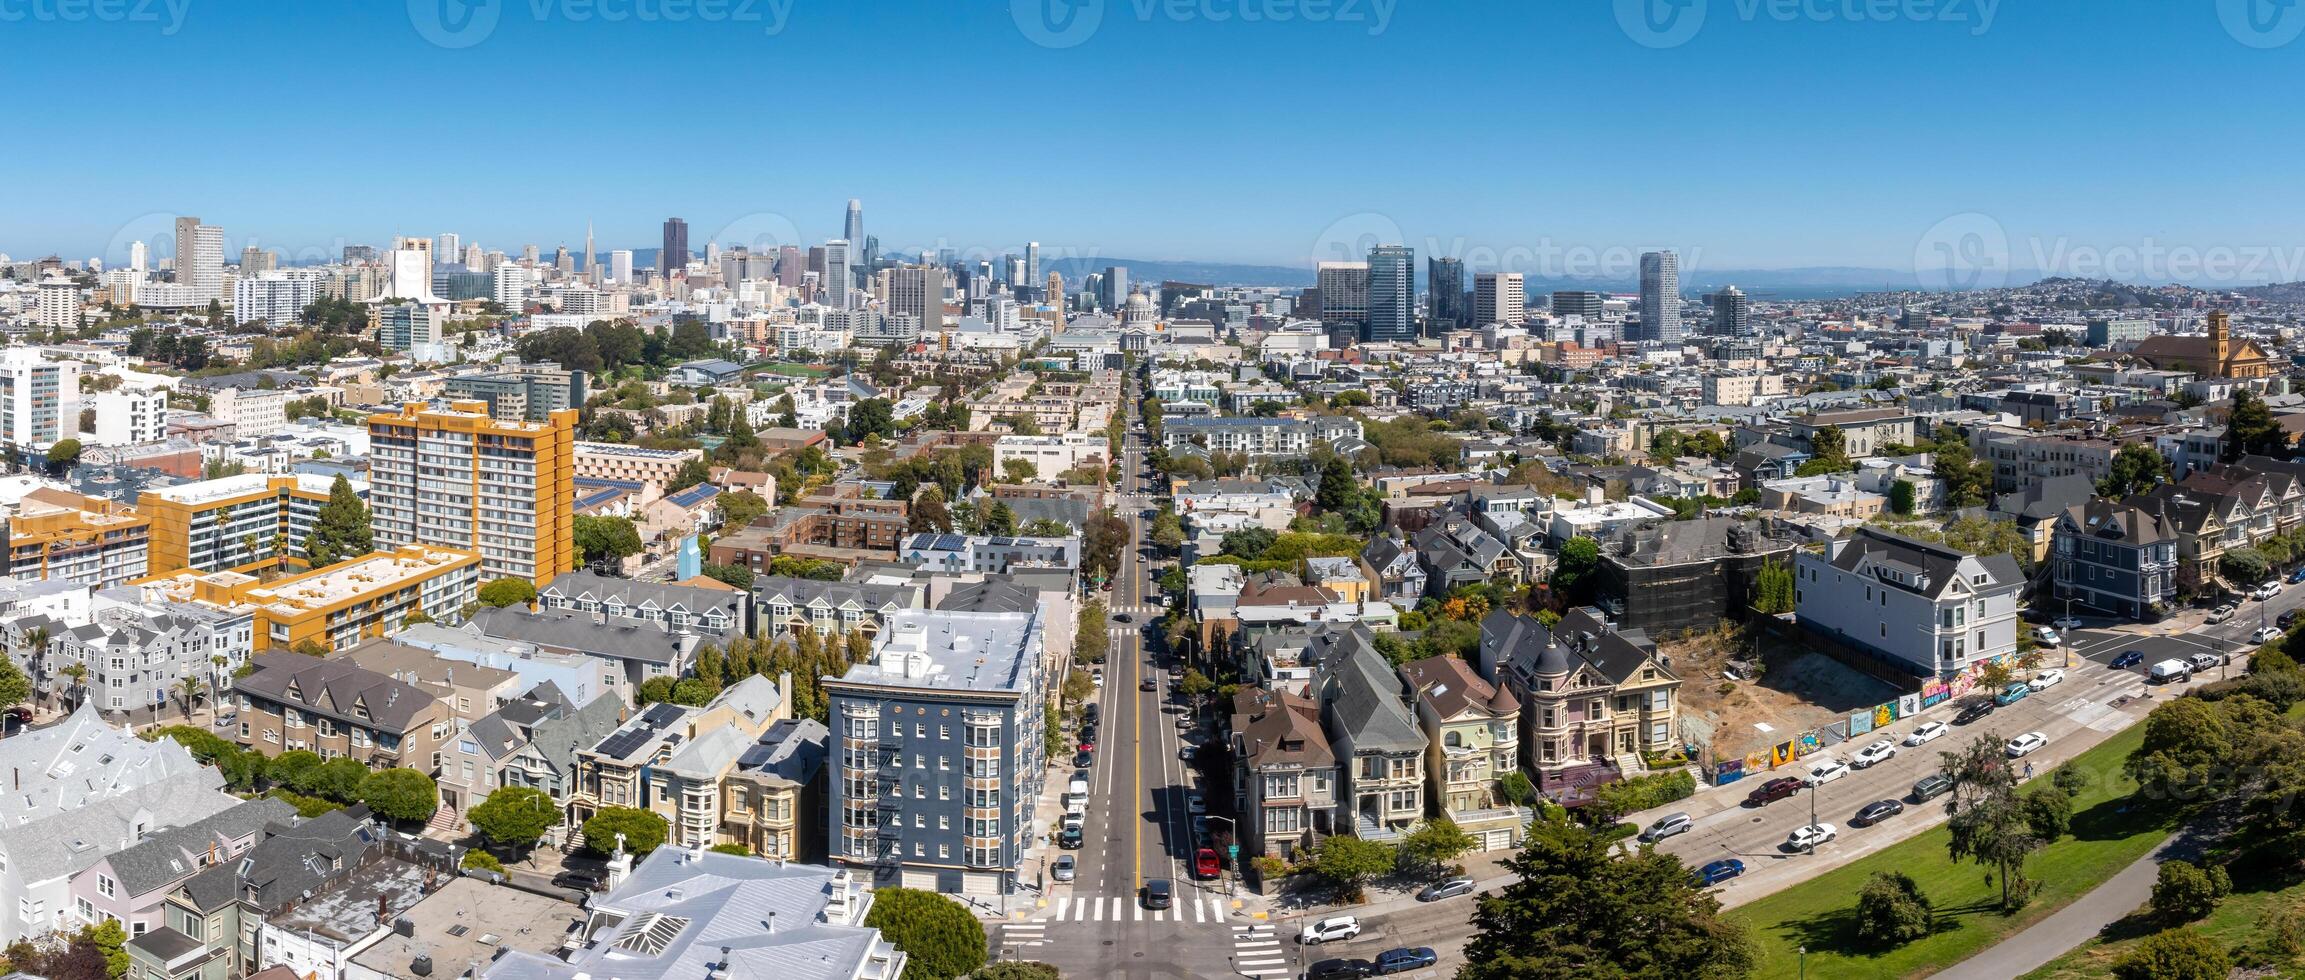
pixel 1115 289
pixel 1499 297
pixel 674 256
pixel 1444 294
pixel 1732 313
pixel 838 276
pixel 1660 320
pixel 1578 302
pixel 1392 295
pixel 448 246
pixel 138 260
pixel 1031 263
pixel 502 489
pixel 200 258
pixel 790 265
pixel 918 291
pixel 254 260
pixel 1344 292
pixel 620 266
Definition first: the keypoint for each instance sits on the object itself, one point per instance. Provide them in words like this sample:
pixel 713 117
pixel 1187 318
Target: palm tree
pixel 37 642
pixel 188 688
pixel 216 665
pixel 79 674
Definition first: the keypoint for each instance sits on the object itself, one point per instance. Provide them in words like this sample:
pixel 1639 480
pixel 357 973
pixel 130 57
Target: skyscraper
pixel 200 258
pixel 675 255
pixel 448 246
pixel 852 232
pixel 1660 298
pixel 1344 288
pixel 1115 288
pixel 918 290
pixel 1577 302
pixel 137 260
pixel 1392 295
pixel 1031 262
pixel 789 265
pixel 1732 313
pixel 503 489
pixel 1498 298
pixel 1444 294
pixel 587 264
pixel 620 266
pixel 837 274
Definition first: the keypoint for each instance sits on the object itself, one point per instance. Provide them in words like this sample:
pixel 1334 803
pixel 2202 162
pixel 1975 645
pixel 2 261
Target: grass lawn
pixel 2234 924
pixel 1819 913
pixel 788 369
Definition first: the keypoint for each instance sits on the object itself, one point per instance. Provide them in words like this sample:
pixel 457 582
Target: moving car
pixel 2012 694
pixel 1774 790
pixel 1826 770
pixel 1974 710
pixel 2046 679
pixel 1063 869
pixel 1927 733
pixel 2264 634
pixel 1405 958
pixel 1205 864
pixel 2046 636
pixel 2131 658
pixel 2220 614
pixel 1807 838
pixel 1332 928
pixel 1877 751
pixel 2026 744
pixel 1340 970
pixel 1447 889
pixel 1875 812
pixel 1148 684
pixel 1159 893
pixel 2205 661
pixel 1666 826
pixel 2271 588
pixel 1931 786
pixel 1717 872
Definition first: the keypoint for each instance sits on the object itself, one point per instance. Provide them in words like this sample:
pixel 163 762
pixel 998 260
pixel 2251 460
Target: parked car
pixel 1447 889
pixel 2026 744
pixel 2297 577
pixel 1929 731
pixel 2169 670
pixel 2046 679
pixel 1088 742
pixel 1091 712
pixel 2285 620
pixel 1205 864
pixel 1666 826
pixel 1340 970
pixel 2221 613
pixel 579 880
pixel 2264 634
pixel 1717 872
pixel 2046 636
pixel 1807 838
pixel 1826 770
pixel 2067 623
pixel 1083 760
pixel 1159 893
pixel 1329 929
pixel 1875 812
pixel 2271 588
pixel 2132 658
pixel 1196 805
pixel 2012 694
pixel 1877 751
pixel 1976 709
pixel 2205 661
pixel 1774 790
pixel 1931 786
pixel 1406 958
pixel 1063 869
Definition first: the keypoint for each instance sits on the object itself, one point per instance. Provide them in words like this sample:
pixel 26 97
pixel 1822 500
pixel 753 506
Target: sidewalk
pixel 2072 925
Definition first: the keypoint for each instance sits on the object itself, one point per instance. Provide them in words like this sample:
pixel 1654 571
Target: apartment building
pixel 1473 738
pixel 253 412
pixel 939 745
pixel 334 607
pixel 1592 698
pixel 129 417
pixel 1259 437
pixel 39 398
pixel 137 656
pixel 522 392
pixel 232 523
pixel 53 534
pixel 1284 773
pixel 996 555
pixel 530 741
pixel 670 758
pixel 338 710
pixel 2116 557
pixel 1931 610
pixel 1051 455
pixel 773 801
pixel 460 478
pixel 1864 431
pixel 711 607
pixel 616 461
pixel 788 605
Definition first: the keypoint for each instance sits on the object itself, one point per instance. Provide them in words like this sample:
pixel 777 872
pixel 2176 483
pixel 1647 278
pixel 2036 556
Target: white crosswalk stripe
pixel 1257 952
pixel 1202 909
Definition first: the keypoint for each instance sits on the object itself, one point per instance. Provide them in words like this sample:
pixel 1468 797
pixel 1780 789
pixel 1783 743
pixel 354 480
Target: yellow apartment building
pixel 55 534
pixel 236 523
pixel 460 478
pixel 337 606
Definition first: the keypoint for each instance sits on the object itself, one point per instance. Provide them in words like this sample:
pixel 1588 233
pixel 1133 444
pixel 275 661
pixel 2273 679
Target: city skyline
pixel 1726 179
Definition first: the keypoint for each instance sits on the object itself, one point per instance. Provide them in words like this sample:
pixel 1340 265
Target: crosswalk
pixel 1023 934
pixel 1094 908
pixel 1257 952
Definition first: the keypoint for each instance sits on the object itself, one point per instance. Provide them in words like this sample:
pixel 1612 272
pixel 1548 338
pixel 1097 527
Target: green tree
pixel 2175 954
pixel 514 816
pixel 2049 812
pixel 941 938
pixel 110 939
pixel 1018 470
pixel 2138 467
pixel 1338 488
pixel 1566 915
pixel 64 453
pixel 739 509
pixel 695 692
pixel 337 779
pixel 607 538
pixel 691 473
pixel 2245 566
pixel 1989 824
pixel 1901 497
pixel 1090 642
pixel 1017 970
pixel 15 688
pixel 400 794
pixel 292 768
pixel 507 591
pixel 1248 542
pixel 1351 862
pixel 1168 533
pixel 1575 575
pixel 2184 892
pixel 999 519
pixel 655 690
pixel 340 531
pixel 643 830
pixel 2250 430
pixel 1891 911
pixel 1773 588
pixel 482 860
pixel 735 575
pixel 1433 844
pixel 1966 479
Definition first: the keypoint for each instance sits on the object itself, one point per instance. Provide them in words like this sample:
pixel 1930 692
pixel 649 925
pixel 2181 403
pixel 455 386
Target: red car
pixel 1774 790
pixel 1205 864
pixel 1088 746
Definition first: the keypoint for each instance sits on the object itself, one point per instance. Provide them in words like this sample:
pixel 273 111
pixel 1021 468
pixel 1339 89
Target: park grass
pixel 2234 924
pixel 788 369
pixel 2107 836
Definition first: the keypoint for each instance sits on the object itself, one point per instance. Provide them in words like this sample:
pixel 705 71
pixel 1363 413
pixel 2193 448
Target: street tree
pixel 514 816
pixel 1350 862
pixel 1433 845
pixel 406 795
pixel 643 830
pixel 940 937
pixel 1989 824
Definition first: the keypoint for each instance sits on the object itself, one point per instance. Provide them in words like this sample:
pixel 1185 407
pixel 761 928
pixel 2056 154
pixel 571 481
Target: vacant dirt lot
pixel 1796 691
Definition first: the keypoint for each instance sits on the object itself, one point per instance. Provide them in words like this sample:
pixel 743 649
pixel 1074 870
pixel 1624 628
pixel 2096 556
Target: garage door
pixel 1496 840
pixel 980 884
pixel 912 878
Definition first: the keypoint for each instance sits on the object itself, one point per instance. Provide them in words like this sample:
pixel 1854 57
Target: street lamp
pixel 1804 963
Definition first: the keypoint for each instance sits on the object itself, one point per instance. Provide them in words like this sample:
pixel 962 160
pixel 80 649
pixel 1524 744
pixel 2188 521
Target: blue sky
pixel 1775 136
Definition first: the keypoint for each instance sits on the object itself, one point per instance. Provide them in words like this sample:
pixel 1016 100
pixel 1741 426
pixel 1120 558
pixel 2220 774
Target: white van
pixel 1078 786
pixel 2169 670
